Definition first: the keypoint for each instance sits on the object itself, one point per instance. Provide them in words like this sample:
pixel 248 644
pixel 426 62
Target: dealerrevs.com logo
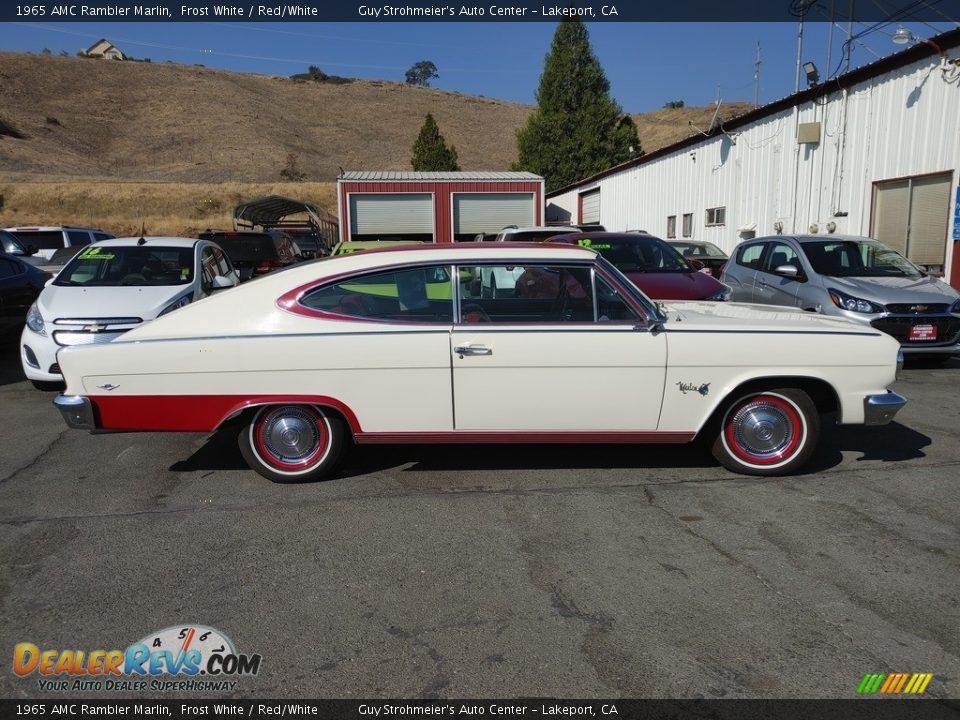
pixel 182 658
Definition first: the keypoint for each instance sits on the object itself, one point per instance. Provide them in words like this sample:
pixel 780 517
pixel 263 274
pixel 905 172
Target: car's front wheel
pixel 293 443
pixel 771 432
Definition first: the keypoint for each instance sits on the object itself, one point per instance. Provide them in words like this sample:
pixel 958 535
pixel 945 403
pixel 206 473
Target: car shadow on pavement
pixel 10 370
pixel 883 443
pixel 220 452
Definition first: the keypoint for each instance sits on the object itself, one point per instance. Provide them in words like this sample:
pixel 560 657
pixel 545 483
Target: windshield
pixel 250 248
pixel 532 235
pixel 138 265
pixel 858 258
pixel 698 250
pixel 638 254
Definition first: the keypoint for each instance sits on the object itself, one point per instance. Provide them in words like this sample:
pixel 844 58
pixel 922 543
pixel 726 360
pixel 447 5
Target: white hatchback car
pixel 113 286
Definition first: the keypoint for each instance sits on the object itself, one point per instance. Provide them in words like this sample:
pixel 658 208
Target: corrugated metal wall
pixel 903 123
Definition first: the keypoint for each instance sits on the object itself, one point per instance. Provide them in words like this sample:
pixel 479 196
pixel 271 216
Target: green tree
pixel 422 73
pixel 430 151
pixel 577 129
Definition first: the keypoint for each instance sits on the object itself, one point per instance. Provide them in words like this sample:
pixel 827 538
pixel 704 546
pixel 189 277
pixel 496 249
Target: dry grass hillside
pixel 116 144
pixel 123 208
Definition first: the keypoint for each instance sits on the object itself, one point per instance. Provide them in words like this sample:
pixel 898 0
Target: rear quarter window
pixel 45 240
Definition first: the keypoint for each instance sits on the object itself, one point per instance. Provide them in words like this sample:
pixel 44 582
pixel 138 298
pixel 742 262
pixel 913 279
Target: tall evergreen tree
pixel 577 128
pixel 430 151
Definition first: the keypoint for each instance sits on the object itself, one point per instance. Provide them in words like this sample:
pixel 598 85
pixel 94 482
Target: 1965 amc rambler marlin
pixel 400 345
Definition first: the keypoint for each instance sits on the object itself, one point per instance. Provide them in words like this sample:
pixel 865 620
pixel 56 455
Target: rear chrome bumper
pixel 77 411
pixel 880 409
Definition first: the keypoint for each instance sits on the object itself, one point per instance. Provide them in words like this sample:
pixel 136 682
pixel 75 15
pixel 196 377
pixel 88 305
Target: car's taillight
pixel 266 266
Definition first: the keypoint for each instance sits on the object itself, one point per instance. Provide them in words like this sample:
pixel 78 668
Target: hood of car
pixel 95 302
pixel 886 290
pixel 750 316
pixel 676 286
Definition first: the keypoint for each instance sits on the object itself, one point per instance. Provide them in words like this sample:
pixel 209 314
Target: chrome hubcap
pixel 290 435
pixel 762 429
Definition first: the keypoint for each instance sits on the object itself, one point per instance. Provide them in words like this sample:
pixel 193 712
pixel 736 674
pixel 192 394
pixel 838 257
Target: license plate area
pixel 923 332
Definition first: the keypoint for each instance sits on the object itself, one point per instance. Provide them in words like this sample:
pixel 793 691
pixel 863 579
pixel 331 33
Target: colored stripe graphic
pixel 894 683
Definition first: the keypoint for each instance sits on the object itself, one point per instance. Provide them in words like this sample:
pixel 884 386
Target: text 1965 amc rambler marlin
pixel 365 348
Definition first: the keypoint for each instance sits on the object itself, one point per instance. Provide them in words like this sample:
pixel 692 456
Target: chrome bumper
pixel 880 409
pixel 77 411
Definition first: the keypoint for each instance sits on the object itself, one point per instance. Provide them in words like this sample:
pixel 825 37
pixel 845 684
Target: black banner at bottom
pixel 552 709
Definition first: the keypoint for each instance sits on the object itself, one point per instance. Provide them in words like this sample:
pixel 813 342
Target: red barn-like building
pixel 436 206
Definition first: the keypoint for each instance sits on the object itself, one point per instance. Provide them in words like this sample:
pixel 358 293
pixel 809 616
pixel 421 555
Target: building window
pixel 671 226
pixel 716 216
pixel 687 224
pixel 911 215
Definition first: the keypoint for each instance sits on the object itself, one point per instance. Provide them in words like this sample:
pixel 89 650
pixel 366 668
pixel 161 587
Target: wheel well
pixel 245 416
pixel 821 393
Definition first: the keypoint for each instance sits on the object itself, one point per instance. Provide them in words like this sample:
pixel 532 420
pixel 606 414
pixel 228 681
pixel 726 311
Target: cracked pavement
pixel 596 571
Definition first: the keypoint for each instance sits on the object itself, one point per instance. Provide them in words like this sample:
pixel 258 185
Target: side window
pixel 223 265
pixel 611 307
pixel 98 236
pixel 524 294
pixel 78 237
pixel 749 256
pixel 208 268
pixel 780 254
pixel 421 294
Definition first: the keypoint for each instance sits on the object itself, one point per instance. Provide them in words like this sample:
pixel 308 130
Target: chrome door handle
pixel 472 349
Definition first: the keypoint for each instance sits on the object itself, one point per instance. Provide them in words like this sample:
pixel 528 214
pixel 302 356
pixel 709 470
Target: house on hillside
pixel 103 48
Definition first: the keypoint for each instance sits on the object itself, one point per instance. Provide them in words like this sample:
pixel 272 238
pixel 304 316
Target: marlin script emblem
pixel 703 389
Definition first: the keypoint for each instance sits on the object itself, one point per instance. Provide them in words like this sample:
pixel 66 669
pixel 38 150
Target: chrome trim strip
pixel 880 409
pixel 99 321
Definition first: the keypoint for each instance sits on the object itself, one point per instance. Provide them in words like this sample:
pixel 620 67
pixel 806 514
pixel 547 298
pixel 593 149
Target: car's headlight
pixel 176 304
pixel 854 304
pixel 723 294
pixel 35 320
pixel 955 308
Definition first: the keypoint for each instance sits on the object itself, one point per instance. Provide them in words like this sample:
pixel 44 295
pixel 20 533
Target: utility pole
pixel 756 79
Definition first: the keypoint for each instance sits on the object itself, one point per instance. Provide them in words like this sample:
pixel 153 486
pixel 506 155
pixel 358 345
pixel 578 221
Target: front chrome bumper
pixel 77 411
pixel 880 409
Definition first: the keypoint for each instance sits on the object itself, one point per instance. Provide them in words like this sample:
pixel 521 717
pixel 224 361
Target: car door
pixel 740 273
pixel 773 289
pixel 563 352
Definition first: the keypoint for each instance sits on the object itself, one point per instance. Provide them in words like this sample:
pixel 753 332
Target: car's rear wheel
pixel 770 432
pixel 293 443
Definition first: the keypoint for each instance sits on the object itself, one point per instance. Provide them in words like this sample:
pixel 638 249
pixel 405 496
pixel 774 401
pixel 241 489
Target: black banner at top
pixel 376 11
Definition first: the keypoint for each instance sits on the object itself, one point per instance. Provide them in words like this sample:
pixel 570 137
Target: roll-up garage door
pixel 491 212
pixel 391 214
pixel 911 215
pixel 590 208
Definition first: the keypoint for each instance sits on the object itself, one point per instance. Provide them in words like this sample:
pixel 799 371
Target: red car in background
pixel 652 265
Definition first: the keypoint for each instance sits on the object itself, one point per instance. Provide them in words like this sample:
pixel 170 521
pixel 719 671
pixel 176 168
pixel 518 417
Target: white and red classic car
pixel 400 345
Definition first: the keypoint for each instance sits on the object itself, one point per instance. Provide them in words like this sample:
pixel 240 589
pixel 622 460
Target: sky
pixel 648 64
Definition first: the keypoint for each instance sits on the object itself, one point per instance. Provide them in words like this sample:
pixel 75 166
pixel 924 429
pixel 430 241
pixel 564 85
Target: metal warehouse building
pixel 436 206
pixel 873 152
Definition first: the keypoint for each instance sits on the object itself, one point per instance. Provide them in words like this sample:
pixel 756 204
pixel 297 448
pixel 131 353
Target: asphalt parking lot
pixel 598 571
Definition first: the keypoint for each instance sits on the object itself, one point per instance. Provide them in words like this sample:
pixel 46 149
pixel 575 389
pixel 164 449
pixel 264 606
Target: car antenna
pixel 142 240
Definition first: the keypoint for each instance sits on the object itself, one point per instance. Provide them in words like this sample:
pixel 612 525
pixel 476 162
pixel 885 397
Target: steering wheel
pixel 480 315
pixel 133 279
